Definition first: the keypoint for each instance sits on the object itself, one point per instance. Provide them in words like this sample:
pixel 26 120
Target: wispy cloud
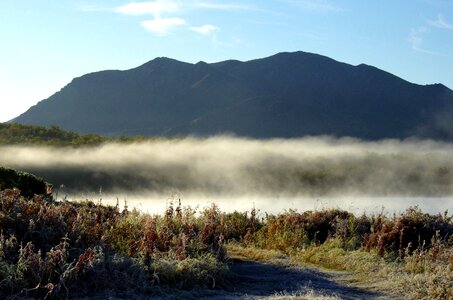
pixel 221 6
pixel 163 26
pixel 315 5
pixel 206 29
pixel 159 25
pixel 167 13
pixel 417 35
pixel 155 8
pixel 440 22
pixel 416 41
pixel 415 38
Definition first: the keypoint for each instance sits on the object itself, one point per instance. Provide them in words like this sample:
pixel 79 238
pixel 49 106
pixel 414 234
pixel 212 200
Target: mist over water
pixel 238 173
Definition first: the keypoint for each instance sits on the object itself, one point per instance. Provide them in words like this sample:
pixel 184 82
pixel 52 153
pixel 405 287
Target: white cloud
pixel 159 7
pixel 416 41
pixel 155 8
pixel 206 29
pixel 315 5
pixel 165 14
pixel 441 23
pixel 415 38
pixel 158 25
pixel 417 35
pixel 163 26
pixel 221 6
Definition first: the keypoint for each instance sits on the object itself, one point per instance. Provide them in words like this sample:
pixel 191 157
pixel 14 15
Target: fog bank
pixel 233 167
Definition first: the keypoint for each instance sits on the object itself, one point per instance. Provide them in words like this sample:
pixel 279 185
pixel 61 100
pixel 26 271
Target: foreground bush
pixel 63 249
pixel 410 254
pixel 28 184
pixel 54 249
pixel 395 236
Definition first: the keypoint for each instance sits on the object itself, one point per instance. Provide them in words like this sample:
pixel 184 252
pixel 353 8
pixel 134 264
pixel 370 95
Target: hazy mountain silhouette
pixel 285 95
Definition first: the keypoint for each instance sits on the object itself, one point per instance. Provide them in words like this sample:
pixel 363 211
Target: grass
pixel 310 294
pixel 236 251
pixel 410 254
pixel 54 249
pixel 51 249
pixel 424 274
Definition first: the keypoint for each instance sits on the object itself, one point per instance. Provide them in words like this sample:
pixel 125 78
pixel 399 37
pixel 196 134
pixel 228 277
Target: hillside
pixel 285 95
pixel 17 134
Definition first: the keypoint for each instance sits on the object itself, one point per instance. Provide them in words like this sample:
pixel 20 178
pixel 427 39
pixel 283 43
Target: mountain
pixel 284 95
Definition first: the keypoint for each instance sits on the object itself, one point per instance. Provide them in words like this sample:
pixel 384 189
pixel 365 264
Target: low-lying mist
pixel 231 167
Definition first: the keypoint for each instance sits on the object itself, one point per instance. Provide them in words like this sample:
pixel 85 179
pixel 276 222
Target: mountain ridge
pixel 289 94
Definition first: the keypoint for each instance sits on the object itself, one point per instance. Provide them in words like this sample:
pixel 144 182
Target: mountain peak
pixel 289 94
pixel 161 61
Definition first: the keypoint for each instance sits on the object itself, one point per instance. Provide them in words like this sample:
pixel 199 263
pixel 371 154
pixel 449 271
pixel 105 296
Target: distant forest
pixel 18 134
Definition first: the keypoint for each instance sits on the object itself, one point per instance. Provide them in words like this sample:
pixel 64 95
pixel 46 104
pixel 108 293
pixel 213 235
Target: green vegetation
pixel 18 134
pixel 63 249
pixel 27 183
pixel 15 134
pixel 410 254
pixel 51 249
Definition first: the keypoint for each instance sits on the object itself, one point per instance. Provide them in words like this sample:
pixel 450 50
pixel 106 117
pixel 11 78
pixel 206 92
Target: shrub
pixel 408 232
pixel 26 183
pixel 66 249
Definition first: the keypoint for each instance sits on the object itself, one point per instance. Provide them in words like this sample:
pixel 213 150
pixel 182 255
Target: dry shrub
pixel 54 249
pixel 408 232
pixel 292 230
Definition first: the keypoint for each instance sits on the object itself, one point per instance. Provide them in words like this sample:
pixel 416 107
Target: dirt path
pixel 280 280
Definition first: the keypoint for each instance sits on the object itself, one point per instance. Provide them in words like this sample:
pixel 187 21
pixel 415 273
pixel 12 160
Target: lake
pixel 237 173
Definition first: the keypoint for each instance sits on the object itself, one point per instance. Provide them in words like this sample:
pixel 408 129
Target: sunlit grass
pixel 310 294
pixel 410 254
pixel 61 249
pixel 236 251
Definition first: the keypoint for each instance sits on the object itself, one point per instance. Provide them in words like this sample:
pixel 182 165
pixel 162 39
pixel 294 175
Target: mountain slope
pixel 285 95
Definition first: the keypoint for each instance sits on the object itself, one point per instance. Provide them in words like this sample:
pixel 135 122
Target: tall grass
pixel 62 249
pixel 410 253
pixel 51 249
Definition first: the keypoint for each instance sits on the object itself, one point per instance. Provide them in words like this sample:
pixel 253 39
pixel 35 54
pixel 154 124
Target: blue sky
pixel 46 43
